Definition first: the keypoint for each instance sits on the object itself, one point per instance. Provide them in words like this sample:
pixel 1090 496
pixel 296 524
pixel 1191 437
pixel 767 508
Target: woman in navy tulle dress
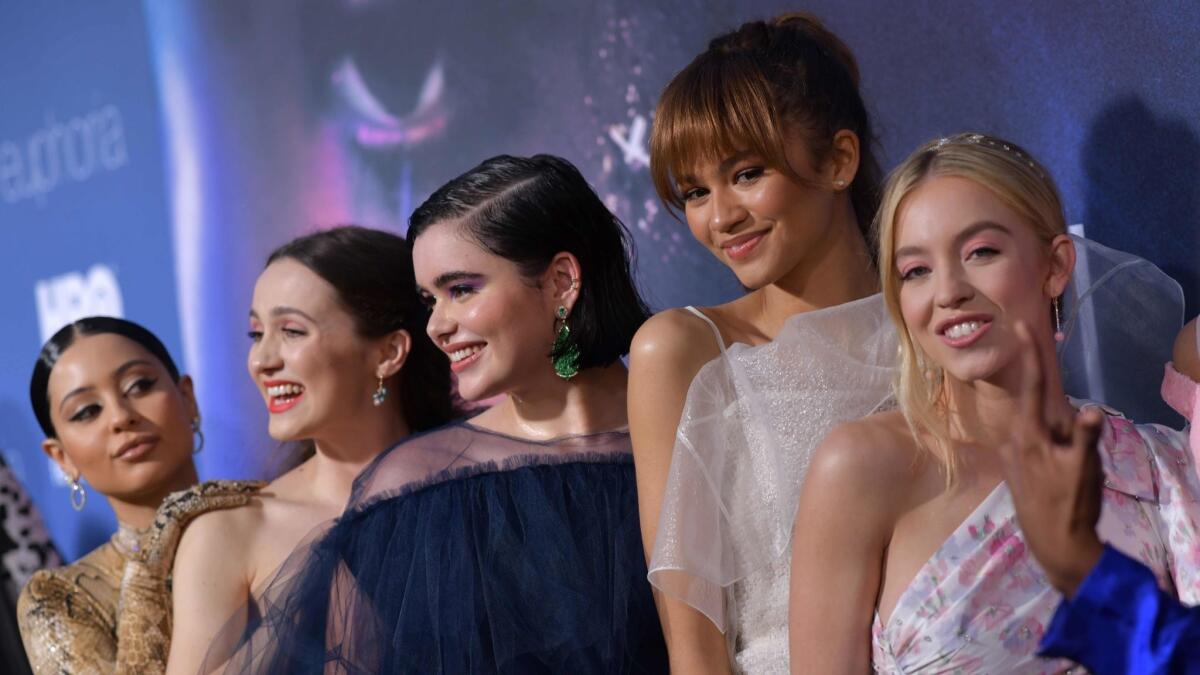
pixel 508 543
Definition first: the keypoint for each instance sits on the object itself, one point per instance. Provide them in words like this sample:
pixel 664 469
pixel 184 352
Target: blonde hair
pixel 1020 182
pixel 750 87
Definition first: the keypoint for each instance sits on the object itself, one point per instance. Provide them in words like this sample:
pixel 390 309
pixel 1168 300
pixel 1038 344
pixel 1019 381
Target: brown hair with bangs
pixel 750 90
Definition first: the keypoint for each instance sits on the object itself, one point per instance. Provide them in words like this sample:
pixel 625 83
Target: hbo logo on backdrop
pixel 67 297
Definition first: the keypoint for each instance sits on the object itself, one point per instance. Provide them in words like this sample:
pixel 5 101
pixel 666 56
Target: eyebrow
pixel 116 373
pixel 283 311
pixel 448 278
pixel 965 234
pixel 725 165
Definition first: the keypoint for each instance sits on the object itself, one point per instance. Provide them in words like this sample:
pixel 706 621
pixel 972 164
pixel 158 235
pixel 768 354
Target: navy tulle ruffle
pixel 534 566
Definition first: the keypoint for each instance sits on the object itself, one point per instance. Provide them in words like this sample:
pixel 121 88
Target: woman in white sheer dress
pixel 764 144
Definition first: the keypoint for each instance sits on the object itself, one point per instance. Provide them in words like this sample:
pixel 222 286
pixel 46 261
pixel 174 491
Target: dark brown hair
pixel 372 272
pixel 752 88
pixel 527 210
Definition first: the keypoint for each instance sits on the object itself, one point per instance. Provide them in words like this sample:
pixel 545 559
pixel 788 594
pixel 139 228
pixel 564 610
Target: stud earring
pixel 380 394
pixel 839 183
pixel 565 353
pixel 78 495
pixel 1058 331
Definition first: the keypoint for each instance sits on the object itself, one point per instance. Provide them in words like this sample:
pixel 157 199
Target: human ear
pixel 394 351
pixel 843 160
pixel 1062 265
pixel 54 450
pixel 562 280
pixel 186 388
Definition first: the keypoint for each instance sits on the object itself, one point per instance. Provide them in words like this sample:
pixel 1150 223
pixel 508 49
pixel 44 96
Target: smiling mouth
pixel 461 359
pixel 965 333
pixel 281 397
pixel 743 247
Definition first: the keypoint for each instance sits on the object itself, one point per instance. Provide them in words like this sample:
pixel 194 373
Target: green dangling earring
pixel 565 353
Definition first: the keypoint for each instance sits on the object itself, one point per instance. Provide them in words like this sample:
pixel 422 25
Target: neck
pixel 591 402
pixel 839 270
pixel 138 512
pixel 342 454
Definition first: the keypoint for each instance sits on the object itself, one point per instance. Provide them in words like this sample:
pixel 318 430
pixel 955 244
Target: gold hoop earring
pixel 197 432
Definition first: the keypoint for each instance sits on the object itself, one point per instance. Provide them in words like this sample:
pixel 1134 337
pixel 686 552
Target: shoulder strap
pixel 716 331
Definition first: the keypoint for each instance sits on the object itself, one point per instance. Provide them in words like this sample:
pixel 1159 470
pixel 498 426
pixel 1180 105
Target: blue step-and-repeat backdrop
pixel 152 154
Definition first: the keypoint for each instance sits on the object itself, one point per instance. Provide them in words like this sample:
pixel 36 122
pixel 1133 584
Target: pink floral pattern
pixel 981 603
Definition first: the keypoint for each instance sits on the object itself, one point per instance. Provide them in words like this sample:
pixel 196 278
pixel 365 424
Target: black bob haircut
pixel 529 209
pixel 62 340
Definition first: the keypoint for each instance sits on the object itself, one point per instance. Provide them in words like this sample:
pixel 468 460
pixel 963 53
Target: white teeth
pixel 961 330
pixel 460 354
pixel 284 390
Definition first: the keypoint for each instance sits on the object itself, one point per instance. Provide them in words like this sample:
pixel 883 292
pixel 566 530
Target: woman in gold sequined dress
pixel 118 415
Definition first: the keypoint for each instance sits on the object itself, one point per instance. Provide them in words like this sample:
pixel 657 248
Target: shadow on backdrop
pixel 1142 197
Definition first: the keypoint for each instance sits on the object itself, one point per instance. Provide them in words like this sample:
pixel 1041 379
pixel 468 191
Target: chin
pixel 754 278
pixel 970 370
pixel 284 432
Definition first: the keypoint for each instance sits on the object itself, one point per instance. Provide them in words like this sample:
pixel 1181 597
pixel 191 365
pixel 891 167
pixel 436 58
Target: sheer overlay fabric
pixel 751 420
pixel 466 551
pixel 1120 316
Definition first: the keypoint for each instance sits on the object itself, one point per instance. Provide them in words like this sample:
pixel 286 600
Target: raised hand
pixel 144 609
pixel 1052 467
pixel 156 549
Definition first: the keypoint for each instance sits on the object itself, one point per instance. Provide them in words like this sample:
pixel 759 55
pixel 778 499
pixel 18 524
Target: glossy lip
pixel 459 366
pixel 970 338
pixel 273 405
pixel 741 246
pixel 136 448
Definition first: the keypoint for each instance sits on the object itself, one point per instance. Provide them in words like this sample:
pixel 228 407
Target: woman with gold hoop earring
pixel 117 414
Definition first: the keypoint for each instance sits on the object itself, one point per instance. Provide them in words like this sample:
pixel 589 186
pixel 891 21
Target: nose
pixel 726 210
pixel 953 288
pixel 441 325
pixel 264 358
pixel 124 417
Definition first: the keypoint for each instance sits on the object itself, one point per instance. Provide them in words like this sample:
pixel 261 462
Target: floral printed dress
pixel 982 603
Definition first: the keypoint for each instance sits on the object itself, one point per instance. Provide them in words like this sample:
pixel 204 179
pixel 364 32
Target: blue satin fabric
pixel 1121 622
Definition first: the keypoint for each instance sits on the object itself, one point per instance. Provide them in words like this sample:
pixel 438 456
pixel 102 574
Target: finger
pixel 1086 432
pixel 1086 440
pixel 1033 396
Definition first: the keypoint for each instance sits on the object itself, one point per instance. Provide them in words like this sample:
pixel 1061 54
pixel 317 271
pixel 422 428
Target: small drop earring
pixel 1058 331
pixel 380 394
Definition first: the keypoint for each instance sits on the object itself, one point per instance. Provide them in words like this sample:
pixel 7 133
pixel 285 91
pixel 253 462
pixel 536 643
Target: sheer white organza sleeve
pixel 751 420
pixel 1121 314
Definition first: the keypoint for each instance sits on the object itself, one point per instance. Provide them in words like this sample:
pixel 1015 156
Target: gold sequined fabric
pixel 68 616
pixel 110 612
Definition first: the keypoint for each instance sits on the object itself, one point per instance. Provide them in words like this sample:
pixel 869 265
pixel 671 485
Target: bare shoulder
pixel 207 539
pixel 866 455
pixel 675 336
pixel 1187 351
